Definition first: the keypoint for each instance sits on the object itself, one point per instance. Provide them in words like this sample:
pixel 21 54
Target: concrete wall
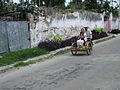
pixel 112 23
pixel 45 23
pixel 115 23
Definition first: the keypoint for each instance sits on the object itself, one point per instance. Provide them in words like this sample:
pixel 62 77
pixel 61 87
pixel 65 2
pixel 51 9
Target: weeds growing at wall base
pixel 21 55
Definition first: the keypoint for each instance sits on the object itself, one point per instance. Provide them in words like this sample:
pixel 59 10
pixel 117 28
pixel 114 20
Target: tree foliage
pixel 98 6
pixel 48 3
pixel 7 6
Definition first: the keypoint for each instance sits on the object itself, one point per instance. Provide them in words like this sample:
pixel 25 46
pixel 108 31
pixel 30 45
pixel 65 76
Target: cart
pixel 87 47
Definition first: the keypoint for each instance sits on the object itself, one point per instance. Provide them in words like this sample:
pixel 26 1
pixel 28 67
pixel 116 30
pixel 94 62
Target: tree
pixel 90 5
pixel 76 4
pixel 49 3
pixel 77 0
pixel 108 8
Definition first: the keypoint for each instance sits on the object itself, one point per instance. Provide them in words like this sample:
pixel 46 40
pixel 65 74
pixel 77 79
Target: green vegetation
pixel 28 5
pixel 20 64
pixel 12 57
pixel 99 30
pixel 58 39
pixel 98 6
pixel 49 3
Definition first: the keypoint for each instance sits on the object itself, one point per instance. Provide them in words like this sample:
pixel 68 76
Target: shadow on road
pixel 80 54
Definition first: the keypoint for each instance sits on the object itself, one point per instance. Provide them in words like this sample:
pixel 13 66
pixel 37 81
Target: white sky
pixel 15 1
pixel 67 1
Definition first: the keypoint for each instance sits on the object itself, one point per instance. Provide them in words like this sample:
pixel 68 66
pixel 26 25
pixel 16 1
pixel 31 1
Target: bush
pixel 115 31
pixel 68 42
pixel 58 39
pixel 98 35
pixel 103 30
pixel 49 45
pixel 99 30
pixel 53 45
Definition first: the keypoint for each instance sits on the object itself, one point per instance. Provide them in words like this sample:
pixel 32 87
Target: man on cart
pixel 82 38
pixel 89 34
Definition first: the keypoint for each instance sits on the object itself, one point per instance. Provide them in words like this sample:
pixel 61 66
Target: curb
pixel 8 67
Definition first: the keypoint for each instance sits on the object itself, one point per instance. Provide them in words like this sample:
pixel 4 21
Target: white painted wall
pixel 115 24
pixel 66 24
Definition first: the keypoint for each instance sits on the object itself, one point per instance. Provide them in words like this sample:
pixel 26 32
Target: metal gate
pixel 3 37
pixel 14 36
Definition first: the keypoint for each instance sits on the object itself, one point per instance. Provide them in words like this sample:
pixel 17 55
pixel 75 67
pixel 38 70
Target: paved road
pixel 100 71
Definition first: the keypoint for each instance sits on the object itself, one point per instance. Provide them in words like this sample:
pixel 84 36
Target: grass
pixel 20 64
pixel 21 55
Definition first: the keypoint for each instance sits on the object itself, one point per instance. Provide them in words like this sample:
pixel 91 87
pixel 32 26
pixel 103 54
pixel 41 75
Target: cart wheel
pixel 91 46
pixel 88 52
pixel 74 52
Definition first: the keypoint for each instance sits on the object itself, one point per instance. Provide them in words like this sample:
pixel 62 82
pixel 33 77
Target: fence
pixel 14 36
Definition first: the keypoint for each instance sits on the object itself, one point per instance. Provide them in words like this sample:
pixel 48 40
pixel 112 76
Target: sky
pixel 67 1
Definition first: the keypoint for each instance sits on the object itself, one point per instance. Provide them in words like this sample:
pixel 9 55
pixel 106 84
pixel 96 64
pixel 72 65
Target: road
pixel 99 71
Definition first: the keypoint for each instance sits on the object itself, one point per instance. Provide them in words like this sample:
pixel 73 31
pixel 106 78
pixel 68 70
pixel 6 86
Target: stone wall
pixel 47 22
